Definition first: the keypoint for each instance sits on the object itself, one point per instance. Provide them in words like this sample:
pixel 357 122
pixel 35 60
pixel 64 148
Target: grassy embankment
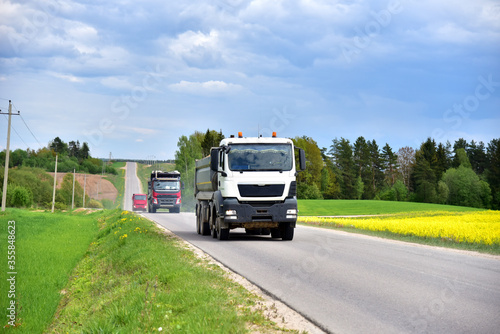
pixel 119 182
pixel 115 272
pixel 433 224
pixel 47 248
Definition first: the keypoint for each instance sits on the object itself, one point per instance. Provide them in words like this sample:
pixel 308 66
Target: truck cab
pixel 164 191
pixel 139 202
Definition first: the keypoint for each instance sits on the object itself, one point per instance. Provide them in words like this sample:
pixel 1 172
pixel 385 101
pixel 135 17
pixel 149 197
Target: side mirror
pixel 302 159
pixel 214 160
pixel 182 185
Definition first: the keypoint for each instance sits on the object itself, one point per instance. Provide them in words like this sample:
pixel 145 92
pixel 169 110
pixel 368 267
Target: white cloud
pixel 67 77
pixel 197 49
pixel 206 88
pixel 142 131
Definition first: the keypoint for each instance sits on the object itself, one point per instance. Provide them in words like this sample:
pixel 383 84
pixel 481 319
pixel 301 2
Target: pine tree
pixel 390 164
pixel 493 172
pixel 362 161
pixel 477 157
pixel 376 165
pixel 341 151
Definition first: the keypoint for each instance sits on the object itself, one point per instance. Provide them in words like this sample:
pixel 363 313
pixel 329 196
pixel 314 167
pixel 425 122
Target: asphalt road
pixel 132 185
pixel 348 283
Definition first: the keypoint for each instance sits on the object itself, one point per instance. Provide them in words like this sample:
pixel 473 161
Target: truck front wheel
pixel 275 233
pixel 286 231
pixel 222 233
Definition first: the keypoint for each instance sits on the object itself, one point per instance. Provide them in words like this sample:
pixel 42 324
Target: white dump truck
pixel 248 183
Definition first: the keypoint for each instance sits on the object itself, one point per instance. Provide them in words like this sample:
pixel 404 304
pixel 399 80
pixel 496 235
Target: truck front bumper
pixel 236 213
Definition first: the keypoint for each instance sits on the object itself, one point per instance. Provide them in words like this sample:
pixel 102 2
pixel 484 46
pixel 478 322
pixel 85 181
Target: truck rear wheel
pixel 198 230
pixel 286 231
pixel 205 229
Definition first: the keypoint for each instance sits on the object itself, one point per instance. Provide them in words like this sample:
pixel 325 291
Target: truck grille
pixel 268 190
pixel 166 199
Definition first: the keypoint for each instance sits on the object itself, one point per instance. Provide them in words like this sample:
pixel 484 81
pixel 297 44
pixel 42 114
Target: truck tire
pixel 198 230
pixel 222 233
pixel 205 228
pixel 275 233
pixel 213 221
pixel 153 209
pixel 286 231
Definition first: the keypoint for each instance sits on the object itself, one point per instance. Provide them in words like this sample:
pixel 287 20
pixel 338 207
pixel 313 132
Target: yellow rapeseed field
pixel 478 227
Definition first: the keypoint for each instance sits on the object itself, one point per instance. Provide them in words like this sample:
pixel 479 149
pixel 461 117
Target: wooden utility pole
pixel 73 196
pixel 84 186
pixel 7 156
pixel 55 183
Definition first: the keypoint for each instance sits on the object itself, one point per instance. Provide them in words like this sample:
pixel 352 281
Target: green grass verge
pixel 114 272
pixel 369 207
pixel 119 182
pixel 47 248
pixel 136 279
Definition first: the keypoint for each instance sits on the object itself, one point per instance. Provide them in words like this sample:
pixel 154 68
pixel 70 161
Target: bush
pixel 307 191
pixel 388 194
pixel 94 204
pixel 111 170
pixel 466 188
pixel 19 197
pixel 60 206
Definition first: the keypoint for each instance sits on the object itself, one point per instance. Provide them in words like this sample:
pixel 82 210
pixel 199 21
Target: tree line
pixel 71 156
pixel 29 184
pixel 465 173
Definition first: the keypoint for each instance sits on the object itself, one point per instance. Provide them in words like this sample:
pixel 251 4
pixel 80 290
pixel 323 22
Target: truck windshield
pixel 140 197
pixel 166 185
pixel 260 157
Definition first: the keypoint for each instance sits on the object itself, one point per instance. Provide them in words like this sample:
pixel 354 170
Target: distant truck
pixel 248 183
pixel 139 202
pixel 164 191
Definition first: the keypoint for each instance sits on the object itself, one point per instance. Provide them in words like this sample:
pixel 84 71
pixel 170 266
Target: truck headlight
pixel 291 213
pixel 231 214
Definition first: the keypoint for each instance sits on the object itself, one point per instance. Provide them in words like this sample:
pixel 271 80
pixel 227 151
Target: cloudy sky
pixel 131 77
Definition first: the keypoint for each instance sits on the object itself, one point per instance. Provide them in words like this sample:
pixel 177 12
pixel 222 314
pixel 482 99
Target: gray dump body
pixel 205 183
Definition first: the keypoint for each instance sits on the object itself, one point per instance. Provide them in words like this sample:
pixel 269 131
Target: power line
pixel 30 131
pixel 19 113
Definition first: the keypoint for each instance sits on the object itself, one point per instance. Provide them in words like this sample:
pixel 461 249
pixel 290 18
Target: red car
pixel 139 202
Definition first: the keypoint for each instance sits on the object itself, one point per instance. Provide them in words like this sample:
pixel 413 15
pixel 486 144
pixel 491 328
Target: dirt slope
pixel 96 186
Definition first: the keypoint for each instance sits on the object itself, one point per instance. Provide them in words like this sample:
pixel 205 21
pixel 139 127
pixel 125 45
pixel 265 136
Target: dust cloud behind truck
pixel 248 183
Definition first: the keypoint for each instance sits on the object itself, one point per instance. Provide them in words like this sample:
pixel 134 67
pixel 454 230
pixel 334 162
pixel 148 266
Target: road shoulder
pixel 272 308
